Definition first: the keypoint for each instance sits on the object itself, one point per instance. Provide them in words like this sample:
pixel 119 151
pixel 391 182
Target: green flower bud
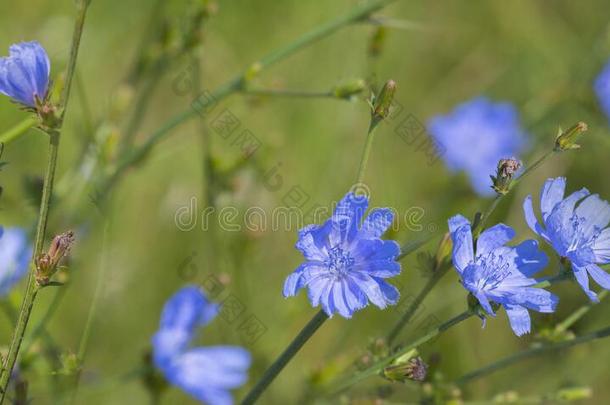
pixel 383 101
pixel 349 89
pixel 567 139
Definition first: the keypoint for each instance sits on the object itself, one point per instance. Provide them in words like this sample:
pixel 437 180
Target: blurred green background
pixel 541 56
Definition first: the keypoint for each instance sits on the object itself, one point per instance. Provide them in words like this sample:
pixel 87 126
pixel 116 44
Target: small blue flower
pixel 501 274
pixel 15 255
pixel 345 263
pixel 206 373
pixel 578 233
pixel 602 89
pixel 24 74
pixel 475 136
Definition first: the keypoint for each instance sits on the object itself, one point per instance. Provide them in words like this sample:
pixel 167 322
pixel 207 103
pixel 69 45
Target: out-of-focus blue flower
pixel 602 89
pixel 578 233
pixel 24 74
pixel 15 255
pixel 475 136
pixel 206 373
pixel 502 274
pixel 345 262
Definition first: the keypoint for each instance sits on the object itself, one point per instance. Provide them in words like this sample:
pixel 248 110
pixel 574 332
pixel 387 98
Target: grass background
pixel 541 56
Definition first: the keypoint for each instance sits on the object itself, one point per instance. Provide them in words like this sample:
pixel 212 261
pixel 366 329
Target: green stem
pixel 507 361
pixel 380 365
pixel 21 128
pixel 288 93
pixel 47 191
pixel 130 158
pixel 367 149
pixel 285 357
pixel 404 320
pixel 84 341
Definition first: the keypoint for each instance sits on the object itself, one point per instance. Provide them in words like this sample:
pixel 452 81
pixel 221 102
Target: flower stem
pixel 21 128
pixel 47 191
pixel 380 365
pixel 367 149
pixel 285 357
pixel 507 361
pixel 579 313
pixel 288 93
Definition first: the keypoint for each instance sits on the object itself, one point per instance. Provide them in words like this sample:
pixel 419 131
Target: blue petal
pixel 493 238
pixel 600 276
pixel 582 278
pixel 519 319
pixel 187 309
pixel 532 221
pixel 379 268
pixel 15 256
pixel 25 73
pixel 482 298
pixel 528 258
pixel 461 235
pixel 337 295
pixel 376 223
pixel 551 195
pixel 349 213
pixel 601 247
pixel 208 373
pixel 560 216
pixel 375 249
pixel 596 214
pixel 317 287
pixel 538 299
pixel 371 288
pixel 312 241
pixel 167 344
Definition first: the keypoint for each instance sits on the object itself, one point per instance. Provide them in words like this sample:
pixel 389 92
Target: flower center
pixel 339 261
pixel 494 270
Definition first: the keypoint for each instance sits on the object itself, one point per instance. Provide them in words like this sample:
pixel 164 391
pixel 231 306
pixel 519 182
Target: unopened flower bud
pixel 413 369
pixel 46 263
pixel 383 101
pixel 567 139
pixel 349 89
pixel 574 394
pixel 504 174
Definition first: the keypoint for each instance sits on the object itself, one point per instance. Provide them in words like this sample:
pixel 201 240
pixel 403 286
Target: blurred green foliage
pixel 542 56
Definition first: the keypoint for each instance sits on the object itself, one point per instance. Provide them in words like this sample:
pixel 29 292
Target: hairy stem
pixel 21 128
pixel 367 150
pixel 285 357
pixel 47 191
pixel 288 93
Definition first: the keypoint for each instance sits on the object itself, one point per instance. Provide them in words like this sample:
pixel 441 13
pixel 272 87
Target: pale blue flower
pixel 346 262
pixel 577 228
pixel 476 135
pixel 24 74
pixel 495 273
pixel 206 373
pixel 15 256
pixel 602 89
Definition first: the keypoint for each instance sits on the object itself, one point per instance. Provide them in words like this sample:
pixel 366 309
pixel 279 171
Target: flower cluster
pixel 206 373
pixel 480 133
pixel 346 262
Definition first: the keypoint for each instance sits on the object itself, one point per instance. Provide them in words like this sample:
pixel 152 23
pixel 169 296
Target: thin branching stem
pixel 47 191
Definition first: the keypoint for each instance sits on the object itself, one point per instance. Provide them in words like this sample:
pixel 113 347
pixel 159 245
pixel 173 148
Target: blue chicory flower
pixel 475 136
pixel 578 233
pixel 602 89
pixel 502 274
pixel 345 262
pixel 15 255
pixel 24 74
pixel 206 373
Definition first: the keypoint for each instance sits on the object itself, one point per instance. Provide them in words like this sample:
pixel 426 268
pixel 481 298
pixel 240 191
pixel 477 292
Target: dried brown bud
pixel 46 263
pixel 414 369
